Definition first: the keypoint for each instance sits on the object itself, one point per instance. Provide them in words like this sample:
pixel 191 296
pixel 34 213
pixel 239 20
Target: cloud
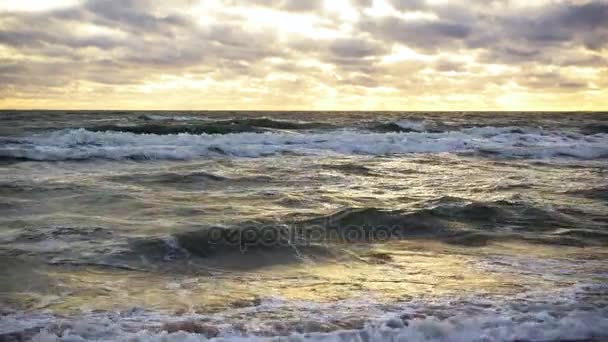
pixel 421 34
pixel 410 49
pixel 409 4
pixel 562 23
pixel 285 5
pixel 136 16
pixel 36 38
pixel 512 34
pixel 356 48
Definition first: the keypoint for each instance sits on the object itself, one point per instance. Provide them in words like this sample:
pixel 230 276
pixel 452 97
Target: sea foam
pixel 518 319
pixel 79 144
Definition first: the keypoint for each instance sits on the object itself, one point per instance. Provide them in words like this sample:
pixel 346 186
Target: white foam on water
pixel 559 315
pixel 506 141
pixel 413 125
pixel 538 326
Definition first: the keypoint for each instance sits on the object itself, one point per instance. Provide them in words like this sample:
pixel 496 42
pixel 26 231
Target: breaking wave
pixel 402 126
pixel 561 315
pixel 81 144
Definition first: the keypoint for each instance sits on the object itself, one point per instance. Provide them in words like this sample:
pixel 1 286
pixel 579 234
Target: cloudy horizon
pixel 304 55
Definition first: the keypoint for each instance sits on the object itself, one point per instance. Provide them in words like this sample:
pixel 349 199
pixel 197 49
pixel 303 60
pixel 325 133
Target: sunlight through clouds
pixel 338 54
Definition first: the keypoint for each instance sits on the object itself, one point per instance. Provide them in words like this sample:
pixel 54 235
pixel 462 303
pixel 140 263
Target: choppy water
pixel 324 226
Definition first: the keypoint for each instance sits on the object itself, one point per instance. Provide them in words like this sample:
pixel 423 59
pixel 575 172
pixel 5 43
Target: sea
pixel 303 226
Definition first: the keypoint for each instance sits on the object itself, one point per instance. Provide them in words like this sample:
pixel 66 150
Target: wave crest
pixel 79 144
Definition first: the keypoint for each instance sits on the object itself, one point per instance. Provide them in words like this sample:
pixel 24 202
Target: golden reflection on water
pixel 393 272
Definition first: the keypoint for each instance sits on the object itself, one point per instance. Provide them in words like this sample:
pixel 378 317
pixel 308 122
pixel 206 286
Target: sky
pixel 304 55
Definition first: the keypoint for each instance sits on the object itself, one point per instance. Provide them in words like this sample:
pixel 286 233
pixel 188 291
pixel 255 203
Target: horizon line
pixel 311 110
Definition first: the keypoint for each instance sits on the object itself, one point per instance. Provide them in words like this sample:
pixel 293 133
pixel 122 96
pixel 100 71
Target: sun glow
pixel 342 8
pixel 382 8
pixel 325 54
pixel 403 53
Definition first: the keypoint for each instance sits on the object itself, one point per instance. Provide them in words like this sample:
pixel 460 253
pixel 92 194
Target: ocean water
pixel 297 226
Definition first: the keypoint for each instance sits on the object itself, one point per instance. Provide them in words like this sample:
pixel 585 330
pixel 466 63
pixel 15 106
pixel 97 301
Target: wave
pixel 595 129
pixel 459 221
pixel 209 126
pixel 557 315
pixel 600 193
pixel 81 144
pixel 450 220
pixel 350 168
pixel 578 325
pixel 253 244
pixel 187 178
pixel 163 129
pixel 402 126
pixel 154 117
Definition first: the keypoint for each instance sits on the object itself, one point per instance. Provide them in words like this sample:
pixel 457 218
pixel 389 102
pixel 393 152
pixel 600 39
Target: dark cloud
pixel 551 80
pixel 589 16
pixel 512 55
pixel 545 34
pixel 557 24
pixel 136 16
pixel 356 48
pixel 33 38
pixel 359 55
pixel 529 34
pixel 301 6
pixel 360 80
pixel 409 4
pixel 421 34
pixel 448 65
pixel 285 5
pixel 577 85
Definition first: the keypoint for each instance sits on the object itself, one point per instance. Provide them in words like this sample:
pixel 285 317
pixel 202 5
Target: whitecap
pixel 78 144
